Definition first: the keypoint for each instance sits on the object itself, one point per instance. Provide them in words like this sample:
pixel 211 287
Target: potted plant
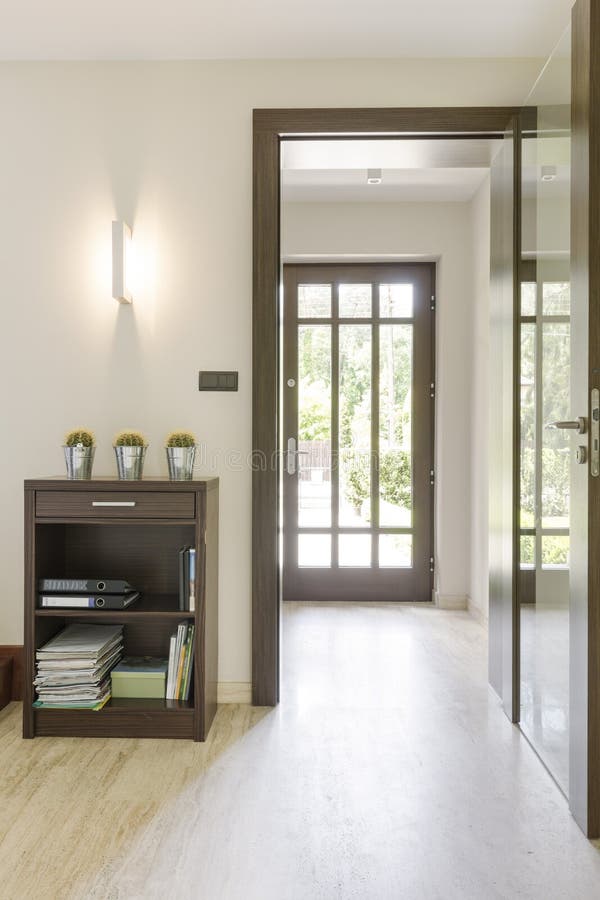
pixel 130 450
pixel 79 449
pixel 181 452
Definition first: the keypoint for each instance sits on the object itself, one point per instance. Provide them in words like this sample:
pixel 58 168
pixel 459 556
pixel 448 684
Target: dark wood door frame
pixel 270 126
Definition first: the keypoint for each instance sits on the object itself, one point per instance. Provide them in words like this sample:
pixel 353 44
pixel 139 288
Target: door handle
pixel 292 453
pixel 579 425
pixel 113 502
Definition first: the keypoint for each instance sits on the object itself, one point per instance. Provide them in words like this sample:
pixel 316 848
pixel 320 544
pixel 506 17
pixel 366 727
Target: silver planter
pixel 181 463
pixel 79 460
pixel 130 462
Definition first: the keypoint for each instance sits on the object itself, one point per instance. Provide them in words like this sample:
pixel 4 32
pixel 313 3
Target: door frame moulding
pixel 270 127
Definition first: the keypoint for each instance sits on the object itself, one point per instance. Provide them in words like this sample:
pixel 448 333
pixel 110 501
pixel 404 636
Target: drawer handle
pixel 113 502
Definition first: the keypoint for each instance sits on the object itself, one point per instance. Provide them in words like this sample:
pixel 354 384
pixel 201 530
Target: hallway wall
pixel 167 146
pixel 454 234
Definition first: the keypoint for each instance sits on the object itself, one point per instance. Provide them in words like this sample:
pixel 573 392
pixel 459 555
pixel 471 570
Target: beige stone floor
pixel 388 771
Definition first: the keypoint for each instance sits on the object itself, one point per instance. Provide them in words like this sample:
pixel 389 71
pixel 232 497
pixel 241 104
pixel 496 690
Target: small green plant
pixel 79 436
pixel 130 439
pixel 181 439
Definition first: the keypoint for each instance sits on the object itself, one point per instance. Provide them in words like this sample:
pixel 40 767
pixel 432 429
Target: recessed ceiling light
pixel 548 173
pixel 374 176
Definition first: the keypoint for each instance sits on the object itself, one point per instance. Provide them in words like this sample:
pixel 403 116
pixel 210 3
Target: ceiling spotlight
pixel 374 176
pixel 548 173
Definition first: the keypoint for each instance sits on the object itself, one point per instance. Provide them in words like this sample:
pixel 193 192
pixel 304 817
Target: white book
pixel 172 644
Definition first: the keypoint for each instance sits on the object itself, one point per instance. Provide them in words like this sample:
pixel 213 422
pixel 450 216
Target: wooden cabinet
pixel 133 530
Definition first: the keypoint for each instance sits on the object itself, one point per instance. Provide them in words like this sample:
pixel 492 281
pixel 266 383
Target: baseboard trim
pixel 477 613
pixel 451 601
pixel 16 653
pixel 234 692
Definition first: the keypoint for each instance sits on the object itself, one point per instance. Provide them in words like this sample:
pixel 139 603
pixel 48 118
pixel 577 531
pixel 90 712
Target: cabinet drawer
pixel 115 505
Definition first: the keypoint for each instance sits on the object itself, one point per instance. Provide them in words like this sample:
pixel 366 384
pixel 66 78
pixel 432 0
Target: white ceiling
pixel 329 171
pixel 279 29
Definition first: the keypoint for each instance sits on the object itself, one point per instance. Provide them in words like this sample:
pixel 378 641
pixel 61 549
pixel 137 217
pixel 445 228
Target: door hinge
pixel 433 301
pixel 431 564
pixel 432 389
pixel 431 476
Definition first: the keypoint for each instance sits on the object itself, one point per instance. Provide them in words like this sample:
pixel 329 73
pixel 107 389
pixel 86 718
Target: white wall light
pixel 121 262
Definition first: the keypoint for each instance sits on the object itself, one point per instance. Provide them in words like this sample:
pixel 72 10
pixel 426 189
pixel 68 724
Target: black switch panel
pixel 218 381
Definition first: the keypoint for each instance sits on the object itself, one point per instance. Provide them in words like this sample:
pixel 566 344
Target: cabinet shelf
pixel 74 529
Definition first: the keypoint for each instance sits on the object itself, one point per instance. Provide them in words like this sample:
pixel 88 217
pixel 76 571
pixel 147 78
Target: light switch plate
pixel 218 381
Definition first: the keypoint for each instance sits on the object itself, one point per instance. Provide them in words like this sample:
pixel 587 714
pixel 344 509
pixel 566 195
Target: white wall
pixel 167 146
pixel 440 231
pixel 479 400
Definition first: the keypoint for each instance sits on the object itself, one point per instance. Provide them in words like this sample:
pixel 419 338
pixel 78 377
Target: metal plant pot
pixel 130 462
pixel 79 460
pixel 181 463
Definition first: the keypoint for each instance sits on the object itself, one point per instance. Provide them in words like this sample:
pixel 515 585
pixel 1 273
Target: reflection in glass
pixel 396 301
pixel 314 301
pixel 355 425
pixel 314 426
pixel 314 550
pixel 355 301
pixel 528 298
pixel 354 550
pixel 395 550
pixel 527 425
pixel 556 403
pixel 545 398
pixel 395 425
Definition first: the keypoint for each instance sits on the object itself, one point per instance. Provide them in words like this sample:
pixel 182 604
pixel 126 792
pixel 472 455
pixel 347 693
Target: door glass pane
pixel 528 298
pixel 314 301
pixel 355 425
pixel 547 475
pixel 395 424
pixel 395 301
pixel 528 425
pixel 314 550
pixel 556 298
pixel 395 550
pixel 354 550
pixel 556 403
pixel 555 551
pixel 314 426
pixel 355 301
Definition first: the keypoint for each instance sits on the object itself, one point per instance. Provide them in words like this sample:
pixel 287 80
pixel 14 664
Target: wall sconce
pixel 121 259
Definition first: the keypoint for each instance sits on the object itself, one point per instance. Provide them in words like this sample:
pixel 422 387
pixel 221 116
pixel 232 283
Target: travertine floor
pixel 388 771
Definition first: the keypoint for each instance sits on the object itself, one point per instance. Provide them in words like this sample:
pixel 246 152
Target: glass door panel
pixel 545 398
pixel 358 447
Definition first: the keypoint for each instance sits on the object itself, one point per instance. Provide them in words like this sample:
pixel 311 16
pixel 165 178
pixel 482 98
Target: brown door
pixel 358 429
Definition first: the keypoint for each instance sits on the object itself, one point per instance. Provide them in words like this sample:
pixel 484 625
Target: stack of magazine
pixel 181 659
pixel 73 669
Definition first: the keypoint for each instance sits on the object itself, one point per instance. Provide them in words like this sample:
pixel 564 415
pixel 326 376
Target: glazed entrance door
pixel 358 424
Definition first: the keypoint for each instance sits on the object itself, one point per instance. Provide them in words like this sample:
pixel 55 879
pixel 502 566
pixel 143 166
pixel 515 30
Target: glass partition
pixel 545 374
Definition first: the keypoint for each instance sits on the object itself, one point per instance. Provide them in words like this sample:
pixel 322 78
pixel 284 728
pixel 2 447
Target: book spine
pixel 171 668
pixel 69 601
pixel 185 692
pixel 182 578
pixel 180 658
pixel 188 682
pixel 186 579
pixel 192 575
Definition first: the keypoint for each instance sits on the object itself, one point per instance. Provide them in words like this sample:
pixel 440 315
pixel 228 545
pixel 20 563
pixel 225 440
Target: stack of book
pixel 181 660
pixel 187 579
pixel 73 669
